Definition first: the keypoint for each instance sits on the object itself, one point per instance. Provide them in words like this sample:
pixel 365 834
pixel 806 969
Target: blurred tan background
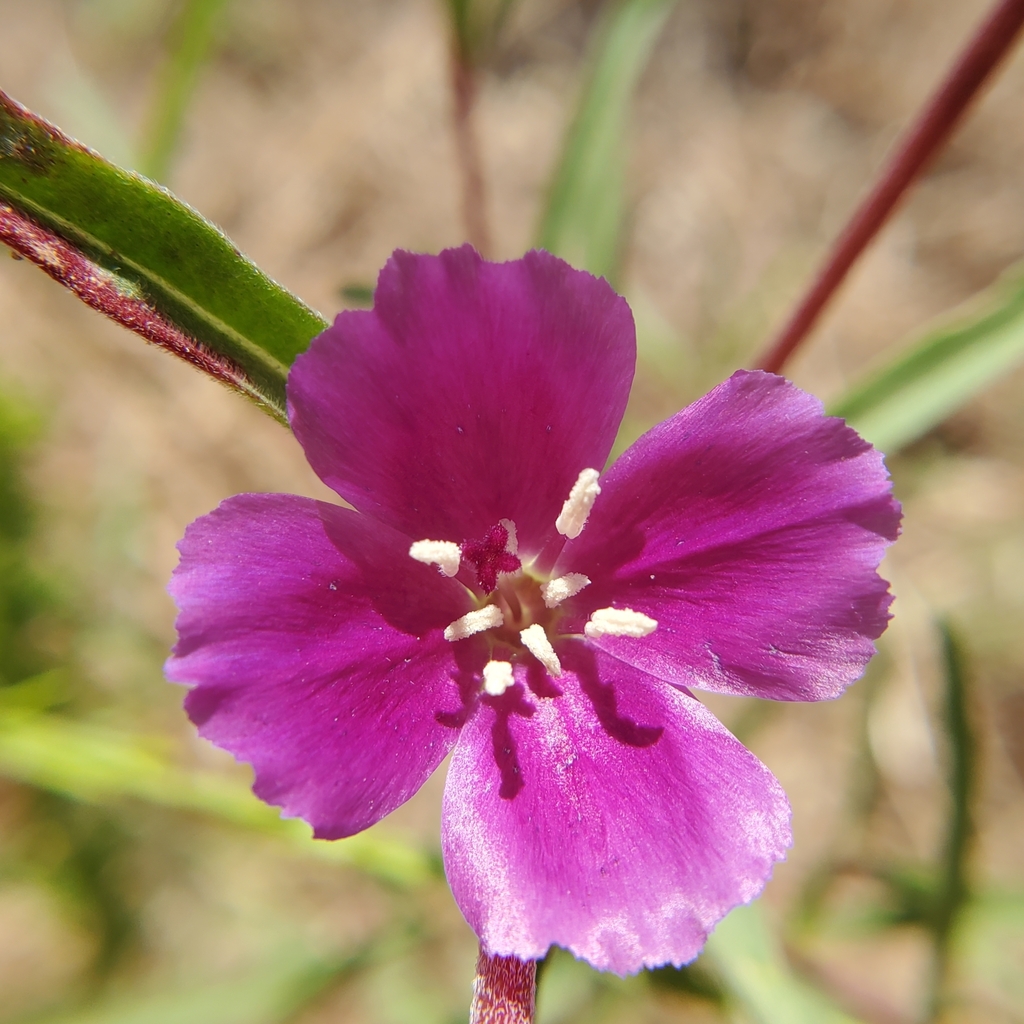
pixel 320 139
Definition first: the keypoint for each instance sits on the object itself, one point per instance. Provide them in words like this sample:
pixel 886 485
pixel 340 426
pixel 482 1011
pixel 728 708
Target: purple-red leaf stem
pixel 918 146
pixel 504 990
pixel 108 294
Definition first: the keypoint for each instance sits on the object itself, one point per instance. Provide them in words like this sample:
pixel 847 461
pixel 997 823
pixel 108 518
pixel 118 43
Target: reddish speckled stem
pixel 504 990
pixel 921 142
pixel 103 291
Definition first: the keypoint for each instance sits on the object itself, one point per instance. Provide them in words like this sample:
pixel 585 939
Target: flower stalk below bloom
pixel 504 990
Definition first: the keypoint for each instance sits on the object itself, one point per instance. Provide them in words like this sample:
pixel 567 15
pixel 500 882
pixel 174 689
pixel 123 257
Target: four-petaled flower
pixel 493 597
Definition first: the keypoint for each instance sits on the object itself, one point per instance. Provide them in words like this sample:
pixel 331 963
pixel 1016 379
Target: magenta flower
pixel 493 597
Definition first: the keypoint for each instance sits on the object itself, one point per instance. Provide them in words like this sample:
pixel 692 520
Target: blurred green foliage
pixel 586 205
pixel 270 995
pixel 86 783
pixel 476 25
pixel 756 975
pixel 936 372
pixel 104 766
pixel 188 47
pixel 68 848
pixel 25 599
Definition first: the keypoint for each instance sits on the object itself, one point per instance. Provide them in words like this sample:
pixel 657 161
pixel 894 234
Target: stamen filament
pixel 508 594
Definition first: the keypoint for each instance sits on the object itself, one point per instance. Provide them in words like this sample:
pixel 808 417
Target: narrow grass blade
pixel 105 766
pixel 584 215
pixel 140 247
pixel 949 364
pixel 190 42
pixel 953 891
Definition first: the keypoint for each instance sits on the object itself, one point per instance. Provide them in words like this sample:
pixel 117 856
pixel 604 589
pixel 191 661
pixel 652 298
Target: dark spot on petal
pixel 505 758
pixel 601 695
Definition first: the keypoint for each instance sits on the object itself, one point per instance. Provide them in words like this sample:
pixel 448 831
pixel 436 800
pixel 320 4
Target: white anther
pixel 443 553
pixel 536 641
pixel 619 622
pixel 475 622
pixel 556 591
pixel 497 677
pixel 573 517
pixel 512 544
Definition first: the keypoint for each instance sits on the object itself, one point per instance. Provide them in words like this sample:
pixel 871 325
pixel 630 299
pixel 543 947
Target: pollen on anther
pixel 558 590
pixel 577 506
pixel 474 622
pixel 497 677
pixel 443 553
pixel 536 641
pixel 619 622
pixel 512 544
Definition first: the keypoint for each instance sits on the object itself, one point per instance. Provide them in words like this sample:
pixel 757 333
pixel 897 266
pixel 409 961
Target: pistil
pixel 495 555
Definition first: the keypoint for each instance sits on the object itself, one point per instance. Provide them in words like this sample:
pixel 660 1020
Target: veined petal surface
pixel 313 645
pixel 750 526
pixel 619 820
pixel 472 392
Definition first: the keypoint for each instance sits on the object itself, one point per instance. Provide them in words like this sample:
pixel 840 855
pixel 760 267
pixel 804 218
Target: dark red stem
pixel 918 146
pixel 106 293
pixel 474 202
pixel 504 990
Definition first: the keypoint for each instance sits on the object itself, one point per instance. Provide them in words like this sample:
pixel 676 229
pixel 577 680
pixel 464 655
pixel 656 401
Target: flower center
pixel 520 612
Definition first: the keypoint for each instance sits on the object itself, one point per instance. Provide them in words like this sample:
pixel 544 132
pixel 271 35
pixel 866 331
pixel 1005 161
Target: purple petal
pixel 750 526
pixel 472 392
pixel 619 820
pixel 313 642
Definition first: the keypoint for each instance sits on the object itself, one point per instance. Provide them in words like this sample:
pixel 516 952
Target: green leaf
pixel 157 250
pixel 954 359
pixel 756 975
pixel 103 766
pixel 583 220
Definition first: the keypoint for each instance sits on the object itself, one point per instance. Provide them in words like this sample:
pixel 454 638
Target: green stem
pixel 191 37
